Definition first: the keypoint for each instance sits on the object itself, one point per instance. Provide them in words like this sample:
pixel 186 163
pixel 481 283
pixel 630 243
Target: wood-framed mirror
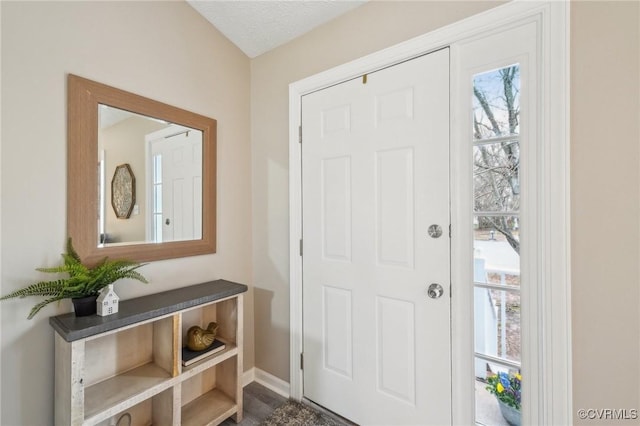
pixel 172 153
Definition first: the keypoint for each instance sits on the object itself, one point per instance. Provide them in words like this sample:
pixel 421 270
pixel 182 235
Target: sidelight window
pixel 496 205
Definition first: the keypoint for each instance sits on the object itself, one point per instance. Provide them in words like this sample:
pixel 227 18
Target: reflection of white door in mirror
pixel 174 184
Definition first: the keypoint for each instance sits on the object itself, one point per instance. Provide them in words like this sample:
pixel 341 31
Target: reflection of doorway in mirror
pixel 174 189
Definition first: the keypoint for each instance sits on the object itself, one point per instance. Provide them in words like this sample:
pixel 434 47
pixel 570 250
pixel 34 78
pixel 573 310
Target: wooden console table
pixel 130 362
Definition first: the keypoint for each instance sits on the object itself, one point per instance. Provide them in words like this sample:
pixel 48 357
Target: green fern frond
pixel 42 304
pixel 43 288
pixel 72 252
pixel 54 270
pixel 70 260
pixel 136 276
pixel 73 266
pixel 76 288
pixel 99 279
pixel 116 265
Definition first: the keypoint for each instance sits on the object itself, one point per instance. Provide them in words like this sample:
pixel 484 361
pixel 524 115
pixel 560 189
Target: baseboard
pixel 248 376
pixel 269 381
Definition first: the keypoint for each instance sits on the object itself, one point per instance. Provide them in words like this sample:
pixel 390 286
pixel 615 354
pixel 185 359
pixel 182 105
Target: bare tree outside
pixel 496 162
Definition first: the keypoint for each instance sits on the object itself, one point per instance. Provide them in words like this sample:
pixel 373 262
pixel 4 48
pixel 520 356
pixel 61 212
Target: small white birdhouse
pixel 107 302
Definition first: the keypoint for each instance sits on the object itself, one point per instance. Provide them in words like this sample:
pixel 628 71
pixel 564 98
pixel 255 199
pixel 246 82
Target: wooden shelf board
pixel 206 363
pixel 123 391
pixel 211 408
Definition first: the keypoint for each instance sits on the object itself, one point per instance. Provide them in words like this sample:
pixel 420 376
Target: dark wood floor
pixel 258 402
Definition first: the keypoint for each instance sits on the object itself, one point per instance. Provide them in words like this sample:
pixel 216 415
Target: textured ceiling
pixel 259 26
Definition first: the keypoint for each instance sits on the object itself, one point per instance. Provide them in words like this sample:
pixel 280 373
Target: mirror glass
pixel 166 160
pixel 141 176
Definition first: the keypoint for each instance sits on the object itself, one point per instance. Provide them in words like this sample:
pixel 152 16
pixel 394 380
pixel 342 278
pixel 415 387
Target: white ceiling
pixel 257 26
pixel 109 116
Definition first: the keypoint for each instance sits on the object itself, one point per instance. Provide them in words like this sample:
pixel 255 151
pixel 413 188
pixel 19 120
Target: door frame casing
pixel 550 398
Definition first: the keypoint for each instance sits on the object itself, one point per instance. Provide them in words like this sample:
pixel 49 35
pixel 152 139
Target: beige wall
pixel 162 50
pixel 605 187
pixel 605 142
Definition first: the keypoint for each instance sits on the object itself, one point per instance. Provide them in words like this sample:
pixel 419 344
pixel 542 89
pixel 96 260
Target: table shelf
pixel 106 367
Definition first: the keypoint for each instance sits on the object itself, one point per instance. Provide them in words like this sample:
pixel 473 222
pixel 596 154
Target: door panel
pixel 336 208
pixel 181 185
pixel 375 166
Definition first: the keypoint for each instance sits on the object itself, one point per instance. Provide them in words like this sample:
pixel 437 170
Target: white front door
pixel 375 176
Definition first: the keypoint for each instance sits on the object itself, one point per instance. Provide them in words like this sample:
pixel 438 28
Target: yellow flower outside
pixel 500 388
pixel 519 377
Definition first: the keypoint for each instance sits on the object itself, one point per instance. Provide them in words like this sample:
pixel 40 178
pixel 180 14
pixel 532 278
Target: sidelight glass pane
pixel 496 182
pixel 496 239
pixel 489 411
pixel 496 103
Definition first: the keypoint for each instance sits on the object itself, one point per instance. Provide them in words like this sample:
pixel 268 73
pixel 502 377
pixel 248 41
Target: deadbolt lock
pixel 435 231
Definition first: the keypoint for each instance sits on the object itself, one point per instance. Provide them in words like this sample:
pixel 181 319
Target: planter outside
pixel 84 306
pixel 510 414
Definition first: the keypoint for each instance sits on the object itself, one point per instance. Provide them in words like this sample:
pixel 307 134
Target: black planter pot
pixel 84 306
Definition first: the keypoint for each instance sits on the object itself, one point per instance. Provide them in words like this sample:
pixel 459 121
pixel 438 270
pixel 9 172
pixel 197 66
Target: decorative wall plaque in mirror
pixel 170 202
pixel 123 191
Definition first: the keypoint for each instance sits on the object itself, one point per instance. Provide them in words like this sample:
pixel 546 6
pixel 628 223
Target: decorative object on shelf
pixel 123 191
pixel 82 281
pixel 189 356
pixel 107 302
pixel 199 339
pixel 507 389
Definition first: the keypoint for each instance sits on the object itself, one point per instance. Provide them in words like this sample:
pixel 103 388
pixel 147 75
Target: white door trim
pixel 550 400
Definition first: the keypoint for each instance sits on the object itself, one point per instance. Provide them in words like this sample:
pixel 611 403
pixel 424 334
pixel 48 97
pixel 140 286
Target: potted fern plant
pixel 83 284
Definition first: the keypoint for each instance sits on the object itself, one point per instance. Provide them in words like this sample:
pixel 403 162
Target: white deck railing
pixel 487 319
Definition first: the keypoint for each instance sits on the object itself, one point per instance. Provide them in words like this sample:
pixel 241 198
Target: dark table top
pixel 143 308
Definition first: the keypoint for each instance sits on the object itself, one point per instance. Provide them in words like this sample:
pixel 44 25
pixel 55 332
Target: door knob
pixel 167 222
pixel 435 291
pixel 435 231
